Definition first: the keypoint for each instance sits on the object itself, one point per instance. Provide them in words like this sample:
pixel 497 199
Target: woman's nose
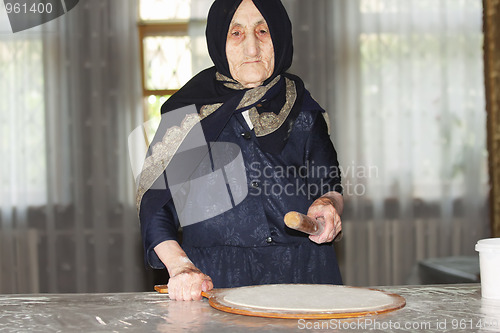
pixel 251 46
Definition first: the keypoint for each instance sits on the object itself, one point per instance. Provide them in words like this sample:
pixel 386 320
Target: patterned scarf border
pixel 264 124
pixel 162 154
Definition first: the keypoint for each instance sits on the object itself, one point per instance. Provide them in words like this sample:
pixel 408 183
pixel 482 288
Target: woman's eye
pixel 236 33
pixel 262 32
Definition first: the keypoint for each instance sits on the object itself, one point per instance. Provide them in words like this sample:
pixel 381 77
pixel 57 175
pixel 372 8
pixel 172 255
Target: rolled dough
pixel 308 298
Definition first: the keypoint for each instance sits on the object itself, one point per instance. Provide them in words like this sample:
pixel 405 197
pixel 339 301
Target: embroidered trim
pixel 207 110
pixel 228 82
pixel 254 95
pixel 268 122
pixel 162 154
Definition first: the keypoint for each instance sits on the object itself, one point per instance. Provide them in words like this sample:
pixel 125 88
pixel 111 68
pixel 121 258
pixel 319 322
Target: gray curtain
pixel 71 95
pixel 403 83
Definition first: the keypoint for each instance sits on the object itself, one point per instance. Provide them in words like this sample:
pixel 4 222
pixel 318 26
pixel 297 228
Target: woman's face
pixel 249 48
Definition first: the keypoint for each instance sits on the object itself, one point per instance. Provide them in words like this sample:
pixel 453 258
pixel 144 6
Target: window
pixel 173 48
pixel 421 65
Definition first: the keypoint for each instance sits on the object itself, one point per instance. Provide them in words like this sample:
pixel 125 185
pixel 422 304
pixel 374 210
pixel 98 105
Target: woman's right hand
pixel 186 280
pixel 188 283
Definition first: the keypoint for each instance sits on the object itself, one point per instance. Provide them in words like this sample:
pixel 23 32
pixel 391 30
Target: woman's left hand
pixel 327 210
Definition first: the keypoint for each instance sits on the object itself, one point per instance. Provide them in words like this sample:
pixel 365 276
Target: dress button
pixel 269 239
pixel 255 184
pixel 246 135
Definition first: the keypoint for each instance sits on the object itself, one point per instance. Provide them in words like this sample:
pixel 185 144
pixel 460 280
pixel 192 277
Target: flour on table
pixel 308 298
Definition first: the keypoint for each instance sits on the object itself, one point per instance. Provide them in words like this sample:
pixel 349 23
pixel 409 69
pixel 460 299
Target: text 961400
pixel 27 8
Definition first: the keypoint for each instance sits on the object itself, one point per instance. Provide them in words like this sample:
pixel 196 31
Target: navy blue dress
pixel 250 243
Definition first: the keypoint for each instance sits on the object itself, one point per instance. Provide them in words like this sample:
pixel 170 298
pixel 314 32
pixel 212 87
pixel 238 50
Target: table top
pixel 431 308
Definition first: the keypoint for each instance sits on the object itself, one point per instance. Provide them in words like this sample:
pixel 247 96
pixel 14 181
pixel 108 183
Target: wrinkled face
pixel 249 48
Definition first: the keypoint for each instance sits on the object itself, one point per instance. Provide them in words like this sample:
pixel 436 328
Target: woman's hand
pixel 327 210
pixel 186 281
pixel 188 284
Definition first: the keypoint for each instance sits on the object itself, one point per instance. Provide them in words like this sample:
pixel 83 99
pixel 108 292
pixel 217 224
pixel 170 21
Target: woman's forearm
pixel 173 257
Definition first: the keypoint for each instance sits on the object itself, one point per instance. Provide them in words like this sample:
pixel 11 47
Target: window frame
pixel 158 29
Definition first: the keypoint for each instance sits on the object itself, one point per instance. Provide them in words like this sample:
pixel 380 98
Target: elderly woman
pixel 249 100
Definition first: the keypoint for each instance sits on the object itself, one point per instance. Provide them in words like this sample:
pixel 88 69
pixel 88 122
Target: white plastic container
pixel 489 265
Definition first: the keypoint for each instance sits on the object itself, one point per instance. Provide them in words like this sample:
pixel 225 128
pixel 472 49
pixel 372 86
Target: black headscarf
pixel 204 89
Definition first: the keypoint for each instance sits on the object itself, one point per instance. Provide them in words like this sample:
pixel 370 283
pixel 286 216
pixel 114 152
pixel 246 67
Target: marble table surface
pixel 429 308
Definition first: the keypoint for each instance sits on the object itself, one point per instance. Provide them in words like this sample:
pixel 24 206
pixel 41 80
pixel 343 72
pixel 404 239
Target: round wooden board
pixel 217 300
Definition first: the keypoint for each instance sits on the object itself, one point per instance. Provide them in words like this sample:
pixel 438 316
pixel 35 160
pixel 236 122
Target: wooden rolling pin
pixel 163 289
pixel 306 224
